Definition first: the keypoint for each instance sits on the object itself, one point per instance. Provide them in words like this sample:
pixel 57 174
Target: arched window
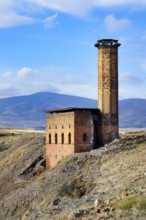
pixel 69 138
pixel 56 139
pixel 62 138
pixel 84 137
pixel 49 138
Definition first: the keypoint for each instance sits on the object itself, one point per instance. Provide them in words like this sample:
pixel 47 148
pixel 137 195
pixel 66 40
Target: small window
pixel 62 138
pixel 69 126
pixel 69 138
pixel 85 137
pixel 56 126
pixel 56 139
pixel 49 138
pixel 62 126
pixel 50 127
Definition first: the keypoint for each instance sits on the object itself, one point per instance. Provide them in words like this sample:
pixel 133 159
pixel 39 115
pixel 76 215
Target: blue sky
pixel 48 45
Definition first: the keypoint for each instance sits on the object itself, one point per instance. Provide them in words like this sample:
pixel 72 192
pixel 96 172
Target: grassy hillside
pixel 108 183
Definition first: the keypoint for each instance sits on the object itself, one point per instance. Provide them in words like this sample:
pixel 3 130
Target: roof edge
pixel 69 109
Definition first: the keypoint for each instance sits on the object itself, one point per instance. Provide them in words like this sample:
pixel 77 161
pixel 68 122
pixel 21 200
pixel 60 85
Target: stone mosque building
pixel 74 130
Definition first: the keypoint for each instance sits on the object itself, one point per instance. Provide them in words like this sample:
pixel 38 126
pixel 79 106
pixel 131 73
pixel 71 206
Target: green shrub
pixel 141 140
pixel 136 201
pixel 67 189
pixel 75 189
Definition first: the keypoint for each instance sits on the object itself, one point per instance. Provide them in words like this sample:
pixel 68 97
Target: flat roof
pixel 106 40
pixel 70 109
pixel 107 43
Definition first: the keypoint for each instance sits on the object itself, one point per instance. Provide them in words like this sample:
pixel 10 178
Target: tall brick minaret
pixel 108 88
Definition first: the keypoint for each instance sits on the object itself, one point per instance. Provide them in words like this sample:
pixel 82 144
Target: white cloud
pixel 11 14
pixel 82 7
pixel 10 19
pixel 7 74
pixel 112 24
pixel 76 7
pixel 83 89
pixel 7 90
pixel 70 80
pixel 4 86
pixel 14 12
pixel 50 22
pixel 62 80
pixel 26 72
pixel 126 93
pixel 7 4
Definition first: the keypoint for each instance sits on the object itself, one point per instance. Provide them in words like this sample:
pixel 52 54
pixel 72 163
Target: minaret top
pixel 107 43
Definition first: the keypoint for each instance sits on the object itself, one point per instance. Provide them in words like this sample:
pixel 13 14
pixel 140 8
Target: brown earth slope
pixel 108 183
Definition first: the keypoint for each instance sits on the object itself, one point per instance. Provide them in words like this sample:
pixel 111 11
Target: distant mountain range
pixel 27 111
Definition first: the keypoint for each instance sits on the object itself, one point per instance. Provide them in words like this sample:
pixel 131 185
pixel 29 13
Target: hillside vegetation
pixel 108 183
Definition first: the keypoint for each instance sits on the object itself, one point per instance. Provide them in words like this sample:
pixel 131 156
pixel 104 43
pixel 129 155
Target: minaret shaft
pixel 108 88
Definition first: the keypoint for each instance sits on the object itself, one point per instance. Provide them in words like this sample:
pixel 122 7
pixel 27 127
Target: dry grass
pixel 76 188
pixel 11 159
pixel 108 175
pixel 133 201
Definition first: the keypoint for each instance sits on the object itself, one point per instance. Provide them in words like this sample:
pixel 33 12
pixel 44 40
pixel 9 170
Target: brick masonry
pixel 59 124
pixel 75 130
pixel 108 88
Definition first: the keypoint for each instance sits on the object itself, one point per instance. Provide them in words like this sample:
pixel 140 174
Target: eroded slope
pixel 82 186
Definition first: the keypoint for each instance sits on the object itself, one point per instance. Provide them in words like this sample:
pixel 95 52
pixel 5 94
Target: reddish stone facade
pixel 68 131
pixel 74 130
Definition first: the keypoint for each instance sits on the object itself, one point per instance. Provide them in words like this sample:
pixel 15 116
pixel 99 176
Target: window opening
pixel 56 139
pixel 84 137
pixel 62 138
pixel 49 138
pixel 69 138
